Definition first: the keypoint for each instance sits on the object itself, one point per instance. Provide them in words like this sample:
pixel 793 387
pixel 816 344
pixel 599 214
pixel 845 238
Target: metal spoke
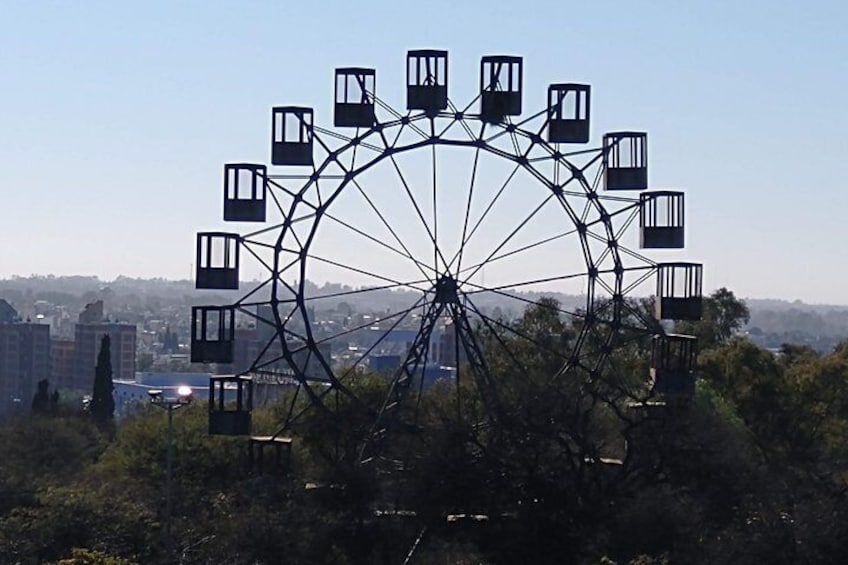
pixel 421 266
pixel 435 209
pixel 485 213
pixel 522 335
pixel 362 272
pixel 414 203
pixel 522 368
pixel 524 300
pixel 405 253
pixel 386 333
pixel 263 284
pixel 362 290
pixel 512 234
pixel 467 210
pixel 366 325
pixel 256 256
pixel 482 288
pixel 520 250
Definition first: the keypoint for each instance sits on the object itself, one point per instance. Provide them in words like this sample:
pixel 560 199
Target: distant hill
pixel 773 322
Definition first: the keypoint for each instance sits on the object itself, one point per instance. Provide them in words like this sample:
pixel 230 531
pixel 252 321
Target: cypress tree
pixel 41 399
pixel 102 405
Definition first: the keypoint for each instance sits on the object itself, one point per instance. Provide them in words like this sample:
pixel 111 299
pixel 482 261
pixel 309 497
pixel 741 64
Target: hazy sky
pixel 116 117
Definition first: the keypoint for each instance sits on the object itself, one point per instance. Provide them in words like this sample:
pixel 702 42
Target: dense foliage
pixel 565 470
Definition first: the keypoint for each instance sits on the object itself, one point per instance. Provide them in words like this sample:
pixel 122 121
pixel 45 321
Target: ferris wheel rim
pixel 436 140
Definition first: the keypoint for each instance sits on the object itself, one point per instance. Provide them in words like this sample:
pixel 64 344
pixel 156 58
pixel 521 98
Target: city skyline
pixel 122 118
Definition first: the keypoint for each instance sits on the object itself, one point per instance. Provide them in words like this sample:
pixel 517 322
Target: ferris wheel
pixel 396 240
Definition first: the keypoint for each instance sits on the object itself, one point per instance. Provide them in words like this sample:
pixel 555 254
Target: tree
pixel 41 400
pixel 723 316
pixel 102 404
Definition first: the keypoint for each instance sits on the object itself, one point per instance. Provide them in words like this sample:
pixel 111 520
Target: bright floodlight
pixel 184 393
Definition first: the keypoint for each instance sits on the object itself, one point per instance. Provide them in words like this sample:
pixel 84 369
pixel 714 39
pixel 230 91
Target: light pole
pixel 170 403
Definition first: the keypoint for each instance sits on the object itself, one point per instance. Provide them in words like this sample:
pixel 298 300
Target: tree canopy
pixel 566 470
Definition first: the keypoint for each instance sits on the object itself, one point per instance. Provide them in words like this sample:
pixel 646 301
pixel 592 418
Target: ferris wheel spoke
pixel 514 139
pixel 633 209
pixel 467 337
pixel 459 116
pixel 495 334
pixel 622 249
pixel 281 326
pixel 623 199
pixel 300 198
pixel 363 290
pixel 364 272
pixel 485 213
pixel 509 286
pixel 368 324
pixel 423 267
pixel 454 107
pixel 435 207
pixel 649 272
pixel 596 184
pixel 409 118
pixel 637 256
pixel 451 123
pixel 577 152
pixel 522 249
pixel 243 301
pixel 348 140
pixel 634 213
pixel 274 197
pixel 273 186
pixel 467 212
pixel 418 211
pixel 248 247
pixel 647 322
pixel 352 165
pixel 516 129
pixel 522 335
pixel 604 285
pixel 398 135
pixel 405 253
pixel 383 337
pixel 527 301
pixel 512 234
pixel 317 399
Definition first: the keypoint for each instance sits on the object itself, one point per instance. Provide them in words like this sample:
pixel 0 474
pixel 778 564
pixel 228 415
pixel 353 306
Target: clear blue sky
pixel 116 117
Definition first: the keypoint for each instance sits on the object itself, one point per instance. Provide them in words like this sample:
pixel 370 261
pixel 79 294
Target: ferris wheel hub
pixel 446 290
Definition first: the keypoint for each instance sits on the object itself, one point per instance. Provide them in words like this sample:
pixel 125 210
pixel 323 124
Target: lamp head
pixel 184 394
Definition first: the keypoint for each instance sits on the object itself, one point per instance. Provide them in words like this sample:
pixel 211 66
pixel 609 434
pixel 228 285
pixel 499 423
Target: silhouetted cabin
pixel 500 87
pixel 212 334
pixel 355 97
pixel 230 417
pixel 244 192
pixel 673 359
pixel 679 291
pixel 625 160
pixel 427 80
pixel 291 135
pixel 269 454
pixel 568 113
pixel 217 261
pixel 661 220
